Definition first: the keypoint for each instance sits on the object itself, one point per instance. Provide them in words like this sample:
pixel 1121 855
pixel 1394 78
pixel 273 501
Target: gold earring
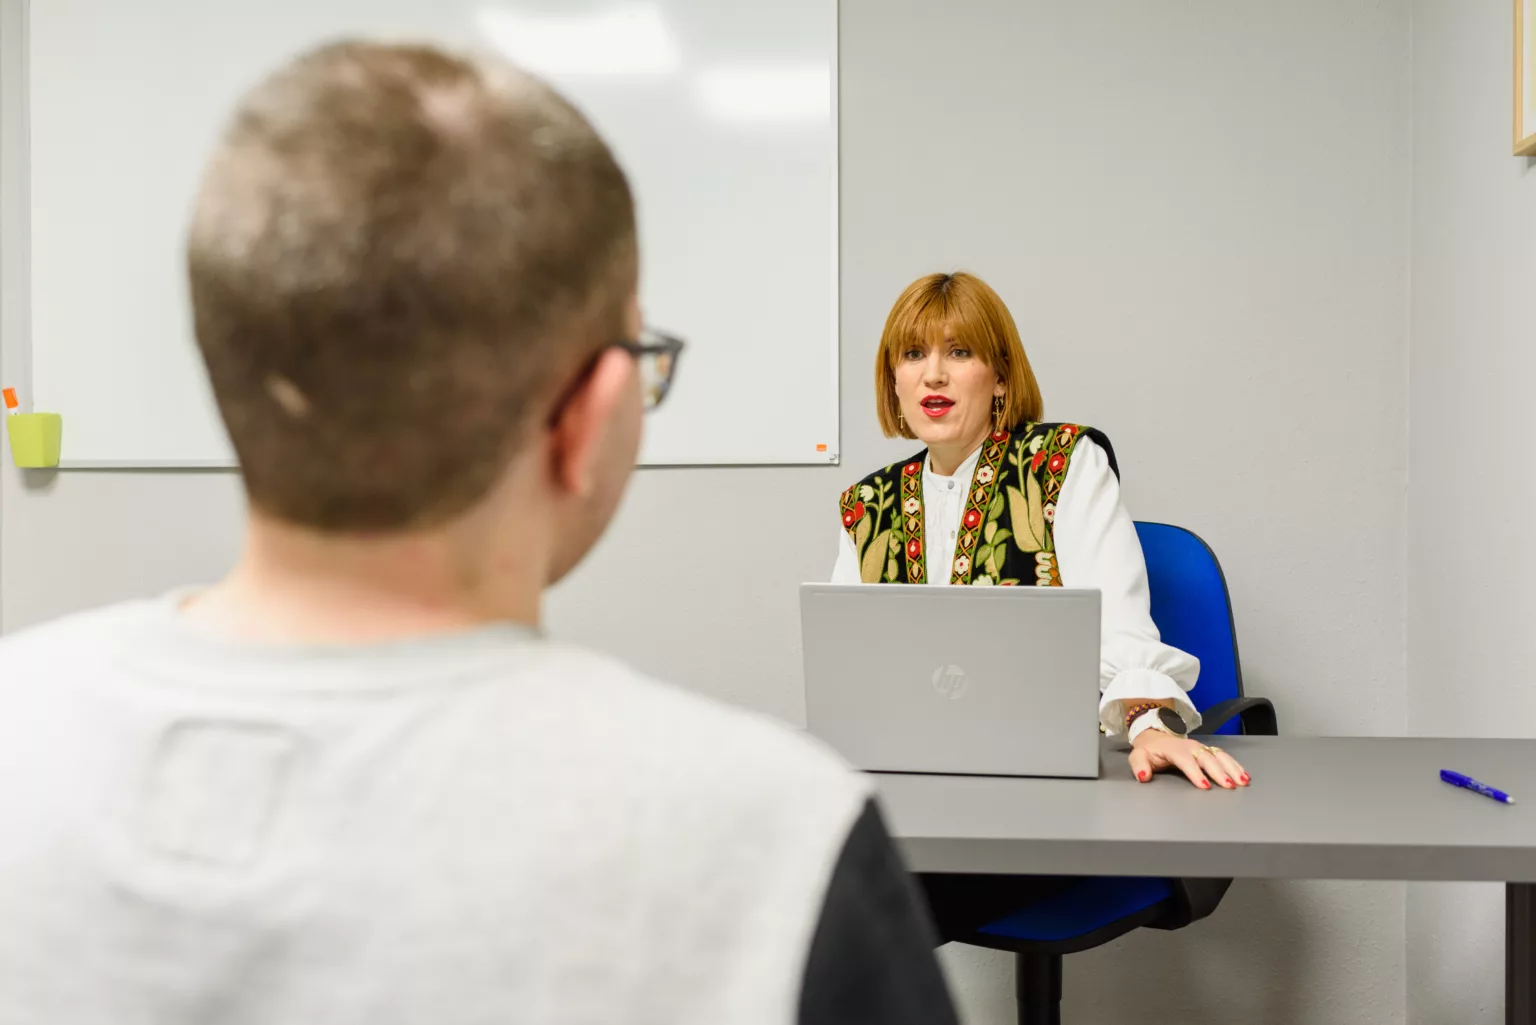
pixel 901 422
pixel 997 414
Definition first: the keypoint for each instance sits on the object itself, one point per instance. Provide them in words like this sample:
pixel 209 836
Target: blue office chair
pixel 1193 612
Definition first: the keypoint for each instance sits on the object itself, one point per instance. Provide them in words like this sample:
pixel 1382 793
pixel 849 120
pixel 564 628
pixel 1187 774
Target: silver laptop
pixel 976 680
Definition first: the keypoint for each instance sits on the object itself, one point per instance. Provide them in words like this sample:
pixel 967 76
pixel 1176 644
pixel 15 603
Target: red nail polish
pixel 1245 777
pixel 1230 783
pixel 1204 785
pixel 1142 776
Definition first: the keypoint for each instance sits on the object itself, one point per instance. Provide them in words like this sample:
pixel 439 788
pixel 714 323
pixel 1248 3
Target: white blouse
pixel 1096 547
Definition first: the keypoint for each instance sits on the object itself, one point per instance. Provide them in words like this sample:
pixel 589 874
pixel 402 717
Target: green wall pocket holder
pixel 35 438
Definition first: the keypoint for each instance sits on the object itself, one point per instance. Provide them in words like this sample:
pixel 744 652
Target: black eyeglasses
pixel 656 354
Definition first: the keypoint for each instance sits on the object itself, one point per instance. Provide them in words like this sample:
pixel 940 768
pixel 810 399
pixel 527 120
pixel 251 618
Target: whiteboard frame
pixel 830 458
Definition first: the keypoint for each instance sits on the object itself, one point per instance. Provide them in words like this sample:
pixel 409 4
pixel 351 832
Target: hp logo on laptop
pixel 950 682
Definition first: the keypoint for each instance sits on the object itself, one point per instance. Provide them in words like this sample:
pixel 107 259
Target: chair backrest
pixel 1192 610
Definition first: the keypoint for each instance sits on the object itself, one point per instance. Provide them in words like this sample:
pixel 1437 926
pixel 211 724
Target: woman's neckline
pixel 968 460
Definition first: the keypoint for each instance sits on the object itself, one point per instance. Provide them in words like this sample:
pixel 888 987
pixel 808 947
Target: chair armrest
pixel 1256 714
pixel 1193 899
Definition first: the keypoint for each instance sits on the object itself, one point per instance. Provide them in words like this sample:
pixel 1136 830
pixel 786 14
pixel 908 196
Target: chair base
pixel 1037 979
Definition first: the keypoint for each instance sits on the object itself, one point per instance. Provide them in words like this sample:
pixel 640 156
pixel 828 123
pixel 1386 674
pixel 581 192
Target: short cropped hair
pixel 965 308
pixel 397 258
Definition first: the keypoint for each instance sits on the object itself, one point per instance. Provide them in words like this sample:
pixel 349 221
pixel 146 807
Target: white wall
pixel 1198 212
pixel 1471 547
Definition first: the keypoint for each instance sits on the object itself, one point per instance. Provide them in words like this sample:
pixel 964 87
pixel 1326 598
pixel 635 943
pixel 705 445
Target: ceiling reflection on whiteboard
pixel 621 40
pixel 789 94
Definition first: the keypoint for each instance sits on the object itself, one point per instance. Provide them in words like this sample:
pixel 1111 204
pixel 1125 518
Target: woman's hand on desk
pixel 1155 751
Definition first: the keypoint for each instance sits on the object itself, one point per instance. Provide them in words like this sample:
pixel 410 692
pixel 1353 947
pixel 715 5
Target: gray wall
pixel 1471 549
pixel 1197 210
pixel 1207 254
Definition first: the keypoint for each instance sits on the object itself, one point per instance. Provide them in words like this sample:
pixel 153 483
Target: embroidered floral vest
pixel 1005 535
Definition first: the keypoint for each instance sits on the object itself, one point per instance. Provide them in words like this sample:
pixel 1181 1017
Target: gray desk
pixel 1319 808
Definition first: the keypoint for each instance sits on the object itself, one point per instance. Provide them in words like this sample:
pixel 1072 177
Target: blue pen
pixel 1456 779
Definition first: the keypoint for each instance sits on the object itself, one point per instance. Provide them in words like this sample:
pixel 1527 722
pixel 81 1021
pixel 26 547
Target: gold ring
pixel 1211 748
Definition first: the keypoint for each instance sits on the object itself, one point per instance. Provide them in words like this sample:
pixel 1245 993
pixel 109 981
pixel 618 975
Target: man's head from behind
pixel 406 269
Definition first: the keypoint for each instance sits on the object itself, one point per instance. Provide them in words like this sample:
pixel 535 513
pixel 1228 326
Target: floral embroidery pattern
pixel 1060 452
pixel 1006 537
pixel 912 506
pixel 868 514
pixel 1040 459
pixel 977 506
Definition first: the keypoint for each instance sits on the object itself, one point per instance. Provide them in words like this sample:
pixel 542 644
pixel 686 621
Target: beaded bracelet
pixel 1136 711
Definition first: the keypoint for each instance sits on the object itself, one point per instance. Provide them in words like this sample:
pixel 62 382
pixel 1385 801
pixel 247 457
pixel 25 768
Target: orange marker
pixel 12 405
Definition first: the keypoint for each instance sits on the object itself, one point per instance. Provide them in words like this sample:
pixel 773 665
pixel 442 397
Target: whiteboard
pixel 722 111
